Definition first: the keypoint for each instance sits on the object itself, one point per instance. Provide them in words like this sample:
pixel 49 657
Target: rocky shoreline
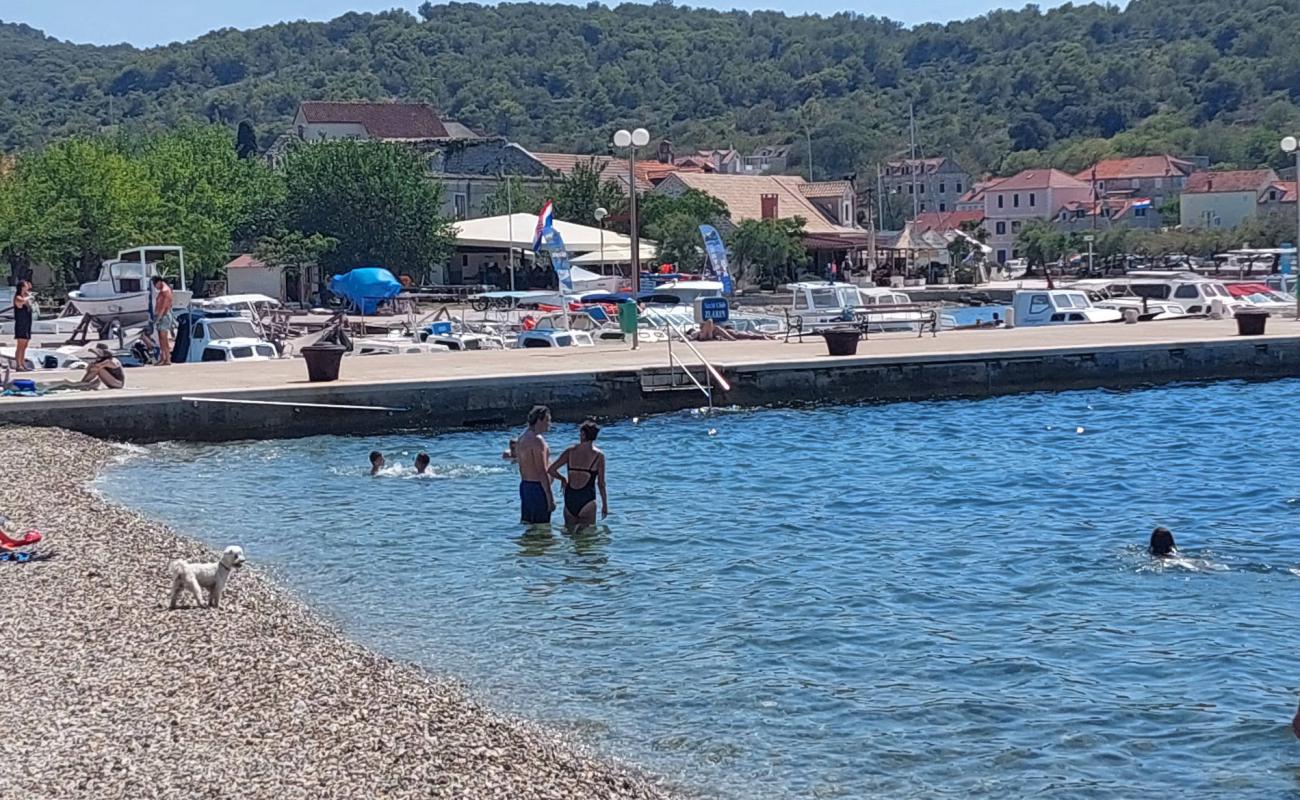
pixel 112 696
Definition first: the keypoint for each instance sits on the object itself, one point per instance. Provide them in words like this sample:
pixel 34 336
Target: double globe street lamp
pixel 632 140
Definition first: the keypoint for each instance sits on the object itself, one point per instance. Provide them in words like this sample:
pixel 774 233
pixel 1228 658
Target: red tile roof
pixel 1139 167
pixel 944 221
pixel 381 120
pixel 648 172
pixel 244 261
pixel 1234 180
pixel 743 196
pixel 1286 192
pixel 1038 179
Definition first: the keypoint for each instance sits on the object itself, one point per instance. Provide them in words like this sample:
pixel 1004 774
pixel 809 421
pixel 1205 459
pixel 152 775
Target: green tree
pixel 674 222
pixel 583 190
pixel 768 250
pixel 207 195
pixel 375 200
pixel 514 195
pixel 1041 243
pixel 76 203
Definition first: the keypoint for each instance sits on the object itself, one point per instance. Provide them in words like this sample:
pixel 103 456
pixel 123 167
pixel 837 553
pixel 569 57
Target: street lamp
pixel 1290 145
pixel 601 213
pixel 632 140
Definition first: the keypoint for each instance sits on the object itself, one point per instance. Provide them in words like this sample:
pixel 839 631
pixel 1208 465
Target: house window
pixel 1001 228
pixel 1139 212
pixel 846 214
pixel 1002 256
pixel 461 203
pixel 1015 200
pixel 1001 198
pixel 921 189
pixel 958 187
pixel 943 206
pixel 1015 227
pixel 1101 186
pixel 1272 195
pixel 1032 198
pixel 1079 213
pixel 922 206
pixel 911 188
pixel 943 187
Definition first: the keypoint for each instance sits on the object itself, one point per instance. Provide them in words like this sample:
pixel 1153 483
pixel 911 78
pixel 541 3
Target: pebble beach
pixel 110 695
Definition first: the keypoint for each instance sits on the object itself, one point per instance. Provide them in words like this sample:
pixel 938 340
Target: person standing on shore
pixel 580 493
pixel 536 502
pixel 163 319
pixel 629 321
pixel 22 323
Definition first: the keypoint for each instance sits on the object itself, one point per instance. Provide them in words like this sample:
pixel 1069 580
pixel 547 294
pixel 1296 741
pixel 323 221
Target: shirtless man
pixel 536 502
pixel 164 320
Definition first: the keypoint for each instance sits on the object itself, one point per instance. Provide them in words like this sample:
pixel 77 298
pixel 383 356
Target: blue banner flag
pixel 717 252
pixel 559 259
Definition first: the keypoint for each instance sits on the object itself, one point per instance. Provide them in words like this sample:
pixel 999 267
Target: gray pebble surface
pixel 110 695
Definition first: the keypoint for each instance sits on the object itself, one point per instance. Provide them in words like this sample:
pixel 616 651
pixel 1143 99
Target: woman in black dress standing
pixel 22 323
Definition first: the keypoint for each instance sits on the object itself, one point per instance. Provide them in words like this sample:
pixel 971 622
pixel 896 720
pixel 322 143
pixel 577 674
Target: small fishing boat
pixel 123 292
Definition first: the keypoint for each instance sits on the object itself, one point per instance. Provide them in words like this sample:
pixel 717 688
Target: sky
pixel 150 22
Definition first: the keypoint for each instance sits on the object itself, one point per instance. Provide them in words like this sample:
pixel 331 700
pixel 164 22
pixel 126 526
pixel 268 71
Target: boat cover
pixel 365 287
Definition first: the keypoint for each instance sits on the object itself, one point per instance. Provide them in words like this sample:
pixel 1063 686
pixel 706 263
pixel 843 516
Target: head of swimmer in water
pixel 1162 543
pixel 513 448
pixel 539 419
pixel 589 431
pixel 376 461
pixel 422 463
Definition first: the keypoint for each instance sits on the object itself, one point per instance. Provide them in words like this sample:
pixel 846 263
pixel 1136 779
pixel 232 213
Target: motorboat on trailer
pixel 206 335
pixel 123 292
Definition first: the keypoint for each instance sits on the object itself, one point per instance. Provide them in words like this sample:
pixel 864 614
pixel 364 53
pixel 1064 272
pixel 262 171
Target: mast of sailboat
pixel 911 126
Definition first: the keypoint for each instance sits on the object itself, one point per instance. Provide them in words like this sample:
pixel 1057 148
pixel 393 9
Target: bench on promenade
pixel 903 315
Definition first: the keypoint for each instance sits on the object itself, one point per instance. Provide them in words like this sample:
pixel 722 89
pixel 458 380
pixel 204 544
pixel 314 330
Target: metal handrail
pixel 711 372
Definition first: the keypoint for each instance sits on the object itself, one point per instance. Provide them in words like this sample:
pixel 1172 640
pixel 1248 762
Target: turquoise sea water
pixel 940 599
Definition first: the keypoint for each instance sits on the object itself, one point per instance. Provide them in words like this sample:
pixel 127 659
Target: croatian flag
pixel 1144 203
pixel 545 219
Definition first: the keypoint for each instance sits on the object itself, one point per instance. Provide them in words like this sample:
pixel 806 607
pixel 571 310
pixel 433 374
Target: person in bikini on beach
pixel 582 482
pixel 536 502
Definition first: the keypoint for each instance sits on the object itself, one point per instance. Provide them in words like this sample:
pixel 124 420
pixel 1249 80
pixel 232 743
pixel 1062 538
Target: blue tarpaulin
pixel 365 287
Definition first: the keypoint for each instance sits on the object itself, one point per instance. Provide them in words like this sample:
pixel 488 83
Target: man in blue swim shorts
pixel 536 502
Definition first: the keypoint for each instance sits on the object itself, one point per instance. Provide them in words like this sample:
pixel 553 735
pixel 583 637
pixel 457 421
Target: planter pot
pixel 1251 323
pixel 323 361
pixel 842 341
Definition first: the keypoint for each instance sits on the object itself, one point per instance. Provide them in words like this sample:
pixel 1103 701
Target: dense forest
pixel 1007 89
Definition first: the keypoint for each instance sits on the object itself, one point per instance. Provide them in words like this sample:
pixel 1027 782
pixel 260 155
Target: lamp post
pixel 601 213
pixel 1290 145
pixel 632 140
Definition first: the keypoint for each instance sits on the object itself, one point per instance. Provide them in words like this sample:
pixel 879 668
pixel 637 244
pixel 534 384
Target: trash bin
pixel 323 361
pixel 1251 323
pixel 841 341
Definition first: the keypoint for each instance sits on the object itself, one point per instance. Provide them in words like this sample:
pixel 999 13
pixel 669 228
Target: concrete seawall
pixel 271 400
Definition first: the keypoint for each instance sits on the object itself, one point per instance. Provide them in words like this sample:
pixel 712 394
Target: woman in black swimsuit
pixel 22 324
pixel 586 465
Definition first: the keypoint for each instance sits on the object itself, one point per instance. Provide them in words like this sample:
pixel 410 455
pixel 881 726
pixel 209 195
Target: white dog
pixel 212 576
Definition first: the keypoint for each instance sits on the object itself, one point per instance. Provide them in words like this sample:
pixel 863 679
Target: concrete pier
pixel 451 390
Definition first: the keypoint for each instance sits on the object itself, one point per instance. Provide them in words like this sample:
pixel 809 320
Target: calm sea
pixel 940 599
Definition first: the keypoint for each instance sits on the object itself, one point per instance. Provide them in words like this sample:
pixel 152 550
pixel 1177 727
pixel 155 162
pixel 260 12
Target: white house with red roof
pixel 1032 194
pixel 389 122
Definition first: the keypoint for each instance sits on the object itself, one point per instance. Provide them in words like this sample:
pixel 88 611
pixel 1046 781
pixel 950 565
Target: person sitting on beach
pixel 422 463
pixel 1162 543
pixel 536 501
pixel 582 482
pixel 103 370
pixel 710 331
pixel 511 453
pixel 376 462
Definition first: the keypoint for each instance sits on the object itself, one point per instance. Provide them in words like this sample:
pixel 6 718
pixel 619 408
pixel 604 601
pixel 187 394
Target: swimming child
pixel 422 463
pixel 511 454
pixel 1162 543
pixel 376 462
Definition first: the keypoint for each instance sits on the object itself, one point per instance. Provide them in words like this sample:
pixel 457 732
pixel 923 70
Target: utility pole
pixel 916 199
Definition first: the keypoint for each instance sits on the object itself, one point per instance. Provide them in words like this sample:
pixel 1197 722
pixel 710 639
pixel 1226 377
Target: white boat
pixel 38 358
pixel 392 343
pixel 687 291
pixel 824 304
pixel 204 335
pixel 124 290
pixel 554 331
pixel 1035 307
pixel 1263 298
